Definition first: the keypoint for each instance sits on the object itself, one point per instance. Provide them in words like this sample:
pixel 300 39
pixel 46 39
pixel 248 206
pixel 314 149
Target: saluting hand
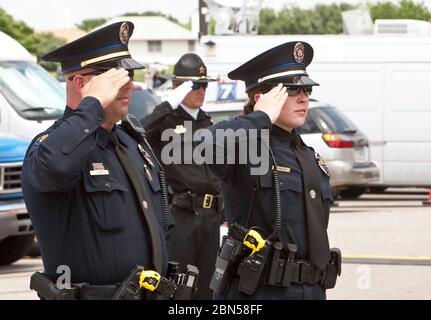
pixel 105 87
pixel 272 102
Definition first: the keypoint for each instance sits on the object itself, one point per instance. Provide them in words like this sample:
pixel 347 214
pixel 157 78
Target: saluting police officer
pixel 194 189
pixel 91 189
pixel 287 208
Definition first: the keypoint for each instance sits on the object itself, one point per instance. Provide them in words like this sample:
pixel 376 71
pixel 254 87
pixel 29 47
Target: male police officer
pixel 91 189
pixel 195 199
pixel 278 245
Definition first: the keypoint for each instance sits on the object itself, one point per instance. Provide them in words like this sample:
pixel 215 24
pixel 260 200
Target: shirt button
pixel 107 185
pixel 86 130
pixel 145 204
pixel 312 194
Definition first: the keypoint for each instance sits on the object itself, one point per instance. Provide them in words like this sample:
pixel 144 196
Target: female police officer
pixel 287 207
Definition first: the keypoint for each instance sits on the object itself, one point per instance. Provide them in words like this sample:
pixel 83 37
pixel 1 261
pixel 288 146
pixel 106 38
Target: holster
pixel 333 270
pixel 47 290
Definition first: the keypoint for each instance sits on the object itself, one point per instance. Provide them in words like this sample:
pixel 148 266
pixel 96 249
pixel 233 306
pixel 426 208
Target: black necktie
pixel 145 204
pixel 317 236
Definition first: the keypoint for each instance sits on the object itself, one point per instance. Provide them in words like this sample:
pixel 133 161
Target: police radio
pixel 231 252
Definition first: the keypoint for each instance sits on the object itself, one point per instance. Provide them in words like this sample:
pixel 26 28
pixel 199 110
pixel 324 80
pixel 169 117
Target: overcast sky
pixel 56 14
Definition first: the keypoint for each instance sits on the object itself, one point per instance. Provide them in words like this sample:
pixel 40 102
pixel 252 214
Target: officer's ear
pixel 78 82
pixel 75 81
pixel 256 97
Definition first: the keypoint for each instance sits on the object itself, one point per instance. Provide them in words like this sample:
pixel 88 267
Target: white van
pixel 382 83
pixel 30 99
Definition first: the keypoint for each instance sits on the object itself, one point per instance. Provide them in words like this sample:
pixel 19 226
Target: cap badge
pixel 202 70
pixel 180 129
pixel 124 33
pixel 298 52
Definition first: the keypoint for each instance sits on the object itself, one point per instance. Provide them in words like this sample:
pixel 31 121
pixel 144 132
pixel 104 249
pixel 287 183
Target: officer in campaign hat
pixel 194 190
pixel 91 186
pixel 277 246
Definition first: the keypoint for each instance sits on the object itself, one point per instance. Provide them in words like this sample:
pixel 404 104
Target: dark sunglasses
pixel 294 91
pixel 197 85
pixel 99 72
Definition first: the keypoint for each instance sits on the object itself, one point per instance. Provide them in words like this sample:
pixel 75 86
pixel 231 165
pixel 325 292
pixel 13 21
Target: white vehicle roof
pixel 12 50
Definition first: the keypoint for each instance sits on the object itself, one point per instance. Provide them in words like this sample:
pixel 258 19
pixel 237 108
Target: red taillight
pixel 335 141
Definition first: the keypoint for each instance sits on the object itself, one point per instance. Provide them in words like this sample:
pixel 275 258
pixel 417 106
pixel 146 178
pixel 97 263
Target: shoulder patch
pixel 41 139
pixel 321 163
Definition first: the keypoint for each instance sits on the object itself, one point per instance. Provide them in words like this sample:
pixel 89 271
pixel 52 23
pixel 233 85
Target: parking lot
pixel 385 239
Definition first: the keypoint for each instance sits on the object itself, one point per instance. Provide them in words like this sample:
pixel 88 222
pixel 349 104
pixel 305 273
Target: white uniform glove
pixel 178 94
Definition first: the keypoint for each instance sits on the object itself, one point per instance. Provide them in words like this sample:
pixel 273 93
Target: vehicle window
pixel 142 103
pixel 330 119
pixel 31 91
pixel 310 125
pixel 224 115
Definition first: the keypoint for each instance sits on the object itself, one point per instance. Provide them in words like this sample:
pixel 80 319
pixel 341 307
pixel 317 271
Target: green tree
pixel 37 43
pixel 44 43
pixel 322 19
pixel 405 9
pixel 90 24
pixel 327 19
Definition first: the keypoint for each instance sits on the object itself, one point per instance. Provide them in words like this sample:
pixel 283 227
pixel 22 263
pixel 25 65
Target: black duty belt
pixel 191 201
pixel 94 292
pixel 302 272
pixel 48 290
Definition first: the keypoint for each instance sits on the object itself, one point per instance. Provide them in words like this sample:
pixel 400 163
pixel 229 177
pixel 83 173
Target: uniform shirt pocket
pixel 292 204
pixel 106 198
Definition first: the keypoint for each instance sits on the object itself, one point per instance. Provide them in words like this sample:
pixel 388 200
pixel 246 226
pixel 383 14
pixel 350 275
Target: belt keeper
pixel 275 262
pixel 287 277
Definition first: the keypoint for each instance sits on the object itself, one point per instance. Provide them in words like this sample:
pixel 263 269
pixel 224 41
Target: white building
pixel 158 40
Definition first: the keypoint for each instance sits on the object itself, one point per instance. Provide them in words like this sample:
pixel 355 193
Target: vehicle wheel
pixel 351 193
pixel 34 250
pixel 14 248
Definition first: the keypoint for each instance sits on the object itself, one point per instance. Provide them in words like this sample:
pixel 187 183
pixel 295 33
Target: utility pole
pixel 203 18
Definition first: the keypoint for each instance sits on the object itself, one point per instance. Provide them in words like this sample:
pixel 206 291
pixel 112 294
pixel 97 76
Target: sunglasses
pixel 294 91
pixel 197 85
pixel 99 72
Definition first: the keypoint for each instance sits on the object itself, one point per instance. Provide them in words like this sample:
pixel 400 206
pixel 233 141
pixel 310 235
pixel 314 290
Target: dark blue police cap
pixel 285 64
pixel 104 48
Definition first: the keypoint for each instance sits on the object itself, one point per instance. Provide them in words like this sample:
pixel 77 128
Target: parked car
pixel 343 146
pixel 143 101
pixel 340 143
pixel 16 231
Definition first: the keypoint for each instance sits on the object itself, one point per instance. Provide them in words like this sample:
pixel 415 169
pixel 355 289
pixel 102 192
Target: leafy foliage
pixel 37 43
pixel 326 19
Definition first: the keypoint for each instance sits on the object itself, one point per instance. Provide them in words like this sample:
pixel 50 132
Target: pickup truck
pixel 16 231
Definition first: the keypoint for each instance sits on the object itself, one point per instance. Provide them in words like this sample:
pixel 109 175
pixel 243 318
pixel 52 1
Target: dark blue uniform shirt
pixel 242 191
pixel 82 204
